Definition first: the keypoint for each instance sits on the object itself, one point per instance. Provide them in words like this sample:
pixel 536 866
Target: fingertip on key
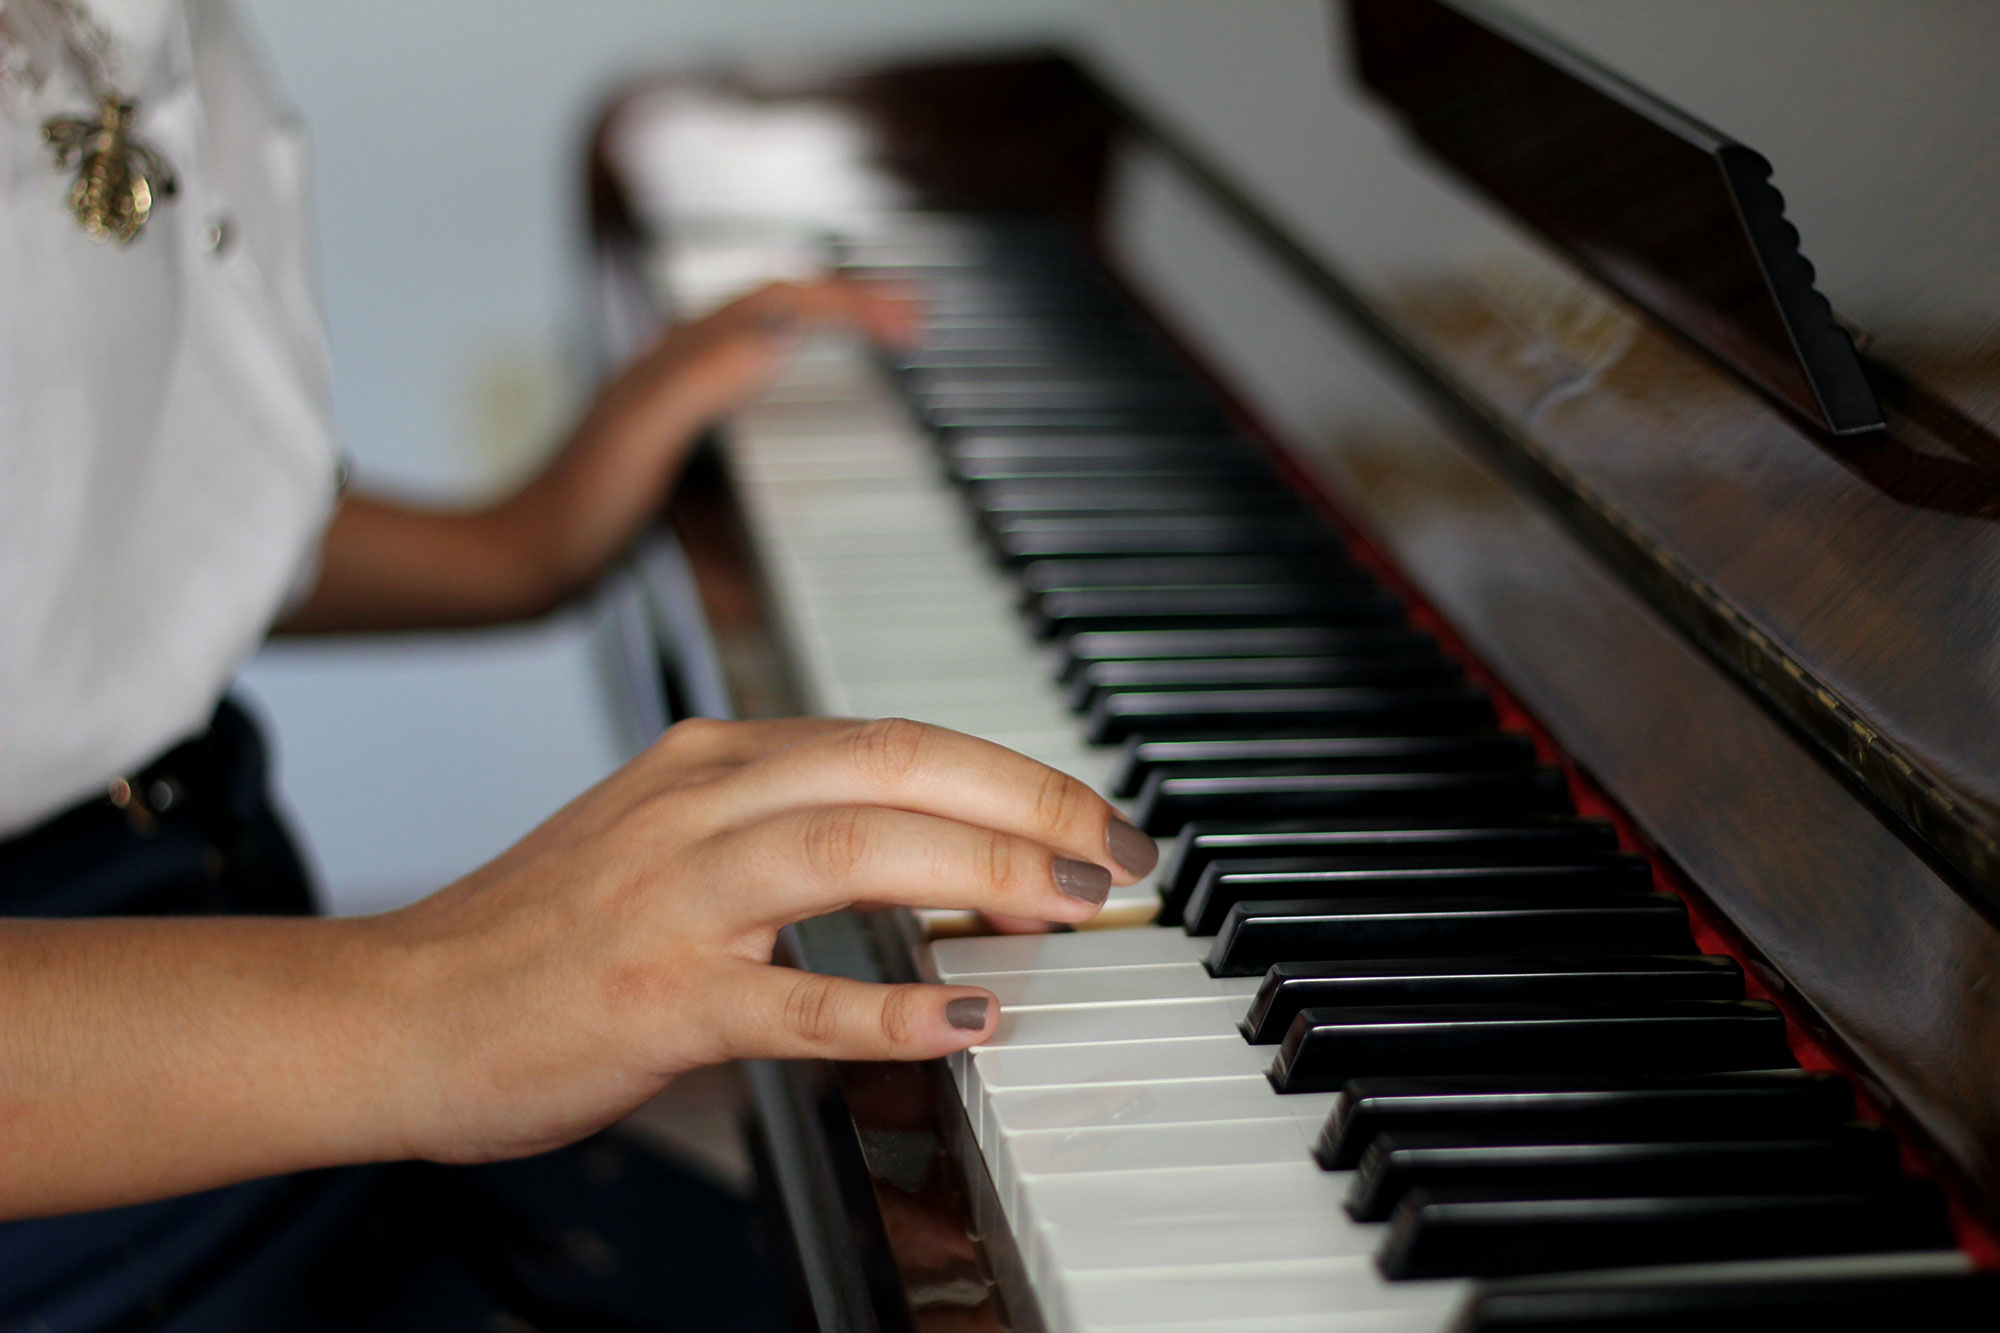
pixel 1130 848
pixel 968 1013
pixel 1085 881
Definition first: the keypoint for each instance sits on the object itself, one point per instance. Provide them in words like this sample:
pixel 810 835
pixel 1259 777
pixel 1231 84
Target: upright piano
pixel 1550 625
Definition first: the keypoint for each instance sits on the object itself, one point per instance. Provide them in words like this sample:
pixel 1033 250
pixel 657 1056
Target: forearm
pixel 146 1058
pixel 391 566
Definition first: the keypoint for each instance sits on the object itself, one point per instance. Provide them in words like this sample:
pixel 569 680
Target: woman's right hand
pixel 629 937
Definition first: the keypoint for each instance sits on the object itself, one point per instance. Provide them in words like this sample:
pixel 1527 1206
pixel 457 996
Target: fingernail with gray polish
pixel 1084 880
pixel 1130 848
pixel 967 1013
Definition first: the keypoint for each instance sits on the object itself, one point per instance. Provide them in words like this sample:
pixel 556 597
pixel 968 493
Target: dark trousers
pixel 603 1235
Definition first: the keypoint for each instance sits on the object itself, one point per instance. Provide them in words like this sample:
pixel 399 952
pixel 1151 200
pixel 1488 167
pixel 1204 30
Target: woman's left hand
pixel 388 565
pixel 621 462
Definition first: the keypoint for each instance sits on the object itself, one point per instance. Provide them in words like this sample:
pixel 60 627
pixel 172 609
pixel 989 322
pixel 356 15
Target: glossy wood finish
pixel 1851 583
pixel 1673 213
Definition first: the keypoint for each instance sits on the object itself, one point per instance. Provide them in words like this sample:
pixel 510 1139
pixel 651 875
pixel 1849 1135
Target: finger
pixel 910 766
pixel 707 741
pixel 776 1013
pixel 1001 924
pixel 886 313
pixel 822 858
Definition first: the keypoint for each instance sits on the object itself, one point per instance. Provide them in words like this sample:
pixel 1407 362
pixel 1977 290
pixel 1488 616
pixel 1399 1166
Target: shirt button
pixel 216 236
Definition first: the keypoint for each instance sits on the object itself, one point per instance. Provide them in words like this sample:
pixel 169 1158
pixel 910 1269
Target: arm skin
pixel 391 566
pixel 625 941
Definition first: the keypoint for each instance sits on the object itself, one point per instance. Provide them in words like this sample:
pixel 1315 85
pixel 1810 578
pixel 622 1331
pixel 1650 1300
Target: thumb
pixel 778 1013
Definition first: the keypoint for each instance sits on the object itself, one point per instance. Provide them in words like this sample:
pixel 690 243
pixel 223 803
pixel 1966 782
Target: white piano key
pixel 1147 1243
pixel 943 573
pixel 976 669
pixel 1170 1060
pixel 840 592
pixel 1193 1199
pixel 1194 1195
pixel 864 505
pixel 838 544
pixel 1024 1159
pixel 1249 1097
pixel 1362 1321
pixel 1341 1287
pixel 968 711
pixel 1133 985
pixel 1145 946
pixel 1020 1163
pixel 1078 1025
pixel 906 635
pixel 984 1071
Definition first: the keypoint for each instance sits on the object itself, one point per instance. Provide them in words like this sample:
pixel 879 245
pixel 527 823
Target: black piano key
pixel 1439 1235
pixel 1364 710
pixel 1337 603
pixel 961 303
pixel 1219 571
pixel 1256 935
pixel 1018 283
pixel 949 304
pixel 1039 446
pixel 1057 297
pixel 1326 1048
pixel 1121 357
pixel 1077 370
pixel 1397 1165
pixel 968 335
pixel 1225 883
pixel 1081 649
pixel 1144 753
pixel 972 457
pixel 1695 1105
pixel 1100 678
pixel 1022 540
pixel 1212 840
pixel 1166 803
pixel 1290 988
pixel 1832 1298
pixel 1221 469
pixel 1143 397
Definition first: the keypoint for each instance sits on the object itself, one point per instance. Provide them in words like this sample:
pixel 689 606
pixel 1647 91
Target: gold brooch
pixel 118 178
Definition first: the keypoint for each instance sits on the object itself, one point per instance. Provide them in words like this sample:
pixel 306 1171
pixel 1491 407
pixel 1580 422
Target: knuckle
pixel 891 748
pixel 899 1016
pixel 1059 800
pixel 996 863
pixel 694 735
pixel 836 841
pixel 811 1013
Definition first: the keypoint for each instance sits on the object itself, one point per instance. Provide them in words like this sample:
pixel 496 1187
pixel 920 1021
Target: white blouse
pixel 167 461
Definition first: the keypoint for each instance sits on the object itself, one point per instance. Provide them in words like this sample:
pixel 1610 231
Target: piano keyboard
pixel 1391 1021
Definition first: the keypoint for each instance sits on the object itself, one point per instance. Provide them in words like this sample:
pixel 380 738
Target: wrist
pixel 394 995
